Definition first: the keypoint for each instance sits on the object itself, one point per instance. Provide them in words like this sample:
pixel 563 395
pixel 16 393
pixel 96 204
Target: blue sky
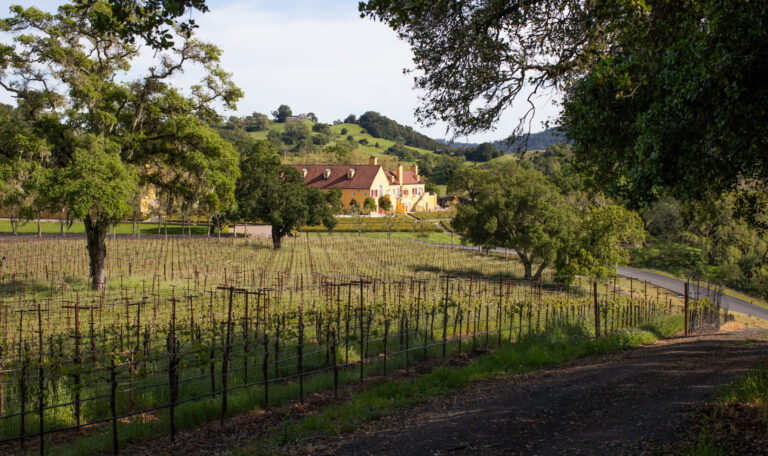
pixel 319 56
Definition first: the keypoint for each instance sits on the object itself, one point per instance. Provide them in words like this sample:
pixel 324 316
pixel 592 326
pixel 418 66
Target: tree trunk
pixel 95 235
pixel 61 221
pixel 39 231
pixel 277 237
pixel 527 264
pixel 14 223
pixel 539 271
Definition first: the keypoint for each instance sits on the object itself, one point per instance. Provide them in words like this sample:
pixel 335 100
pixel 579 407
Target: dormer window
pixel 351 173
pixel 327 173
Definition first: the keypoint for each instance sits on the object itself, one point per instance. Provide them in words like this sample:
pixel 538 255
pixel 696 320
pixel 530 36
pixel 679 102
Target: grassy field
pixel 401 223
pixel 27 228
pixel 438 238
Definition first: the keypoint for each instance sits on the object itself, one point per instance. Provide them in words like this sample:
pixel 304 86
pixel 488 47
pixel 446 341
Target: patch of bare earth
pixel 633 402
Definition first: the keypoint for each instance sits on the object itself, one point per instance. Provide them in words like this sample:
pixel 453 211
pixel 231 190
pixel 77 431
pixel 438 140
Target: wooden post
pixel 445 315
pixel 597 311
pixel 685 307
pixel 335 366
pixel 113 402
pixel 265 368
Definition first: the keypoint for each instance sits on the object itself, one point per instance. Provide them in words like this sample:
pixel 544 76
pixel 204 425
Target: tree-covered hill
pixel 535 141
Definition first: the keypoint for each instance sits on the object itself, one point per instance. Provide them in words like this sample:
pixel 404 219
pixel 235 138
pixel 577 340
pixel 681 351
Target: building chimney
pixel 373 160
pixel 351 173
pixel 327 173
pixel 400 174
pixel 304 172
pixel 415 170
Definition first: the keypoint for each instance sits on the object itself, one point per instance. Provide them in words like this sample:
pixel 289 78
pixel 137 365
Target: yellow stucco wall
pixel 359 195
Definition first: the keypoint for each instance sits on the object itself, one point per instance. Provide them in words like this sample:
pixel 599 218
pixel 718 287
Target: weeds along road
pixel 628 403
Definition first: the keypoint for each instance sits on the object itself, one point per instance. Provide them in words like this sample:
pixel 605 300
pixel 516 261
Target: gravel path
pixel 628 403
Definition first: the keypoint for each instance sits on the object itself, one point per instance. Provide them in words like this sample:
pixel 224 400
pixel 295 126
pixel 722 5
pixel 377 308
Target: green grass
pixel 704 447
pixel 752 389
pixel 354 130
pixel 437 238
pixel 351 225
pixel 27 228
pixel 671 257
pixel 535 351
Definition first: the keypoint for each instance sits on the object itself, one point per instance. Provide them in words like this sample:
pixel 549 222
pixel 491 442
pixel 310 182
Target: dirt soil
pixel 636 402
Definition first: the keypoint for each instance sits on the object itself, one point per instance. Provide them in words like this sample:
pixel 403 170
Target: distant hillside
pixel 536 141
pixel 383 127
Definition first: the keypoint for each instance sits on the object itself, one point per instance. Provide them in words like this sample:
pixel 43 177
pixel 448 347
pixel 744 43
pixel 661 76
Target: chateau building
pixel 405 188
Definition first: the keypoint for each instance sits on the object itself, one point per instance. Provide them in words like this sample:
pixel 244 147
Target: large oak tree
pixel 107 129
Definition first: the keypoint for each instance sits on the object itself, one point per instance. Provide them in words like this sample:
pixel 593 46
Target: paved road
pixel 676 286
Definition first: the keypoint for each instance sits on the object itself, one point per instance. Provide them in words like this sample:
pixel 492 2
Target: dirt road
pixel 629 403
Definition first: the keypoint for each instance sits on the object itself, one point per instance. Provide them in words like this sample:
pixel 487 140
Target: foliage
pixel 385 203
pixel 474 61
pixel 481 153
pixel 282 113
pixel 439 168
pixel 557 163
pixel 518 208
pixel 369 204
pixel 383 127
pixel 255 122
pixel 155 21
pixel 69 83
pixel 295 132
pixel 273 193
pixel 664 219
pixel 680 106
pixel 323 206
pixel 602 242
pixel 322 128
pixel 467 181
pixel 659 97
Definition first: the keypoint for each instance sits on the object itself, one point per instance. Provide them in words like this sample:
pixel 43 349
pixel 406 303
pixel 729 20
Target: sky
pixel 318 56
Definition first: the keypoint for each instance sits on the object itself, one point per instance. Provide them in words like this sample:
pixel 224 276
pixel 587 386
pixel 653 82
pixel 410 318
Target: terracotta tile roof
pixel 409 178
pixel 363 178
